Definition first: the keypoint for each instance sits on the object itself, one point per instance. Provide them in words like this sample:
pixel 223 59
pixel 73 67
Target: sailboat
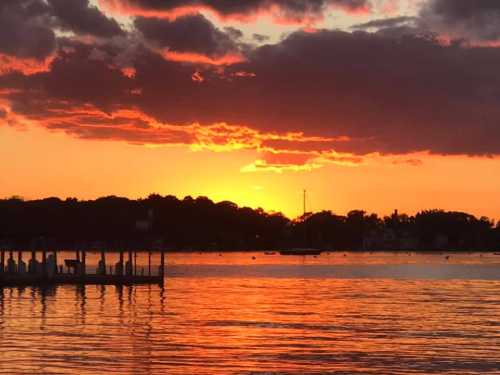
pixel 302 251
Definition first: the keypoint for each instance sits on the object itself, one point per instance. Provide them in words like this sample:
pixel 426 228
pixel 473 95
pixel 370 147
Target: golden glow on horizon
pixel 43 164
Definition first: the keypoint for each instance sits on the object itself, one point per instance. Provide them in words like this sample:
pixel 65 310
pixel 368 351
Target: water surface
pixel 250 313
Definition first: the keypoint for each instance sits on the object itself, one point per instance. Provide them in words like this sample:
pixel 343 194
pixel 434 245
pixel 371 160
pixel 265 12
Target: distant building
pixel 388 239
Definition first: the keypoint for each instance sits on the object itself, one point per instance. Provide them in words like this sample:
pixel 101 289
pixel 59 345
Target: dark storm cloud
pixel 75 77
pixel 73 80
pixel 389 95
pixel 81 18
pixel 478 20
pixel 27 26
pixel 23 30
pixel 390 92
pixel 186 34
pixel 293 9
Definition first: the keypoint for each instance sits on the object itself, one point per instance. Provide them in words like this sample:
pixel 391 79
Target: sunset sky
pixel 367 104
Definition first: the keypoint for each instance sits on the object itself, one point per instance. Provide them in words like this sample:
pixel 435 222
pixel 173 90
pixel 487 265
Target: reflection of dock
pixel 49 272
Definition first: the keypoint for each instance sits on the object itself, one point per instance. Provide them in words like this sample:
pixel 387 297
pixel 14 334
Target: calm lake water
pixel 339 313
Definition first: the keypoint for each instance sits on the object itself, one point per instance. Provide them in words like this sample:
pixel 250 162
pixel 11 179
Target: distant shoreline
pixel 199 224
pixel 276 251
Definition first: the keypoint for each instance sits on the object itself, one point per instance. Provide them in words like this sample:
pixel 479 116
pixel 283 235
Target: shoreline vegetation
pixel 199 224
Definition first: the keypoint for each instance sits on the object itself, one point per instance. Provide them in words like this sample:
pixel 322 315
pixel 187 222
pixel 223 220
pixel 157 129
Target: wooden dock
pixel 34 280
pixel 49 272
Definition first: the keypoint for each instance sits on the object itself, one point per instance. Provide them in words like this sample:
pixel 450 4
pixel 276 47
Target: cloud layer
pixel 78 16
pixel 478 21
pixel 281 10
pixel 23 29
pixel 313 97
pixel 192 33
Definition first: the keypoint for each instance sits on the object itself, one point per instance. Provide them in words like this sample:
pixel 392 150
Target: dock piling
pixel 32 262
pixel 162 264
pixel 21 266
pixel 11 263
pixel 56 268
pixel 78 264
pixel 119 265
pixel 128 266
pixel 44 262
pixel 101 266
pixel 84 263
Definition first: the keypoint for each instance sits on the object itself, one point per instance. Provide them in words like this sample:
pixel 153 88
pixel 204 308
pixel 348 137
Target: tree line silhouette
pixel 200 224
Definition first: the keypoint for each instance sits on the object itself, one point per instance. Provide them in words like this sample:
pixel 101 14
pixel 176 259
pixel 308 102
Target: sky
pixel 368 104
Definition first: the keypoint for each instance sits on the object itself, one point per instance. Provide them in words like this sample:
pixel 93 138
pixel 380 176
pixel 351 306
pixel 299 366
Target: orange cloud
pixel 278 13
pixel 390 6
pixel 197 77
pixel 25 66
pixel 297 141
pixel 279 162
pixel 289 158
pixel 128 72
pixel 344 159
pixel 9 117
pixel 196 58
pixel 243 74
pixel 263 166
pixel 135 127
pixel 124 8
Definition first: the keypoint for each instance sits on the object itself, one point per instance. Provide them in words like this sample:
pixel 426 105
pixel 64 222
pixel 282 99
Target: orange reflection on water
pixel 232 314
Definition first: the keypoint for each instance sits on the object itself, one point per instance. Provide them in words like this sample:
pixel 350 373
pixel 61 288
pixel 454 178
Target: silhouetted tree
pixel 201 224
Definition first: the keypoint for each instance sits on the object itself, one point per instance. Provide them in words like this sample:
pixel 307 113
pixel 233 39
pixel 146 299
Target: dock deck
pixel 34 280
pixel 49 272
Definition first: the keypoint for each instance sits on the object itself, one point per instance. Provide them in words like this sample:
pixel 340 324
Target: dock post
pixel 2 261
pixel 119 265
pixel 84 262
pixel 21 266
pixel 102 264
pixel 135 263
pixel 32 262
pixel 162 264
pixel 129 268
pixel 11 263
pixel 149 263
pixel 44 262
pixel 78 266
pixel 56 267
